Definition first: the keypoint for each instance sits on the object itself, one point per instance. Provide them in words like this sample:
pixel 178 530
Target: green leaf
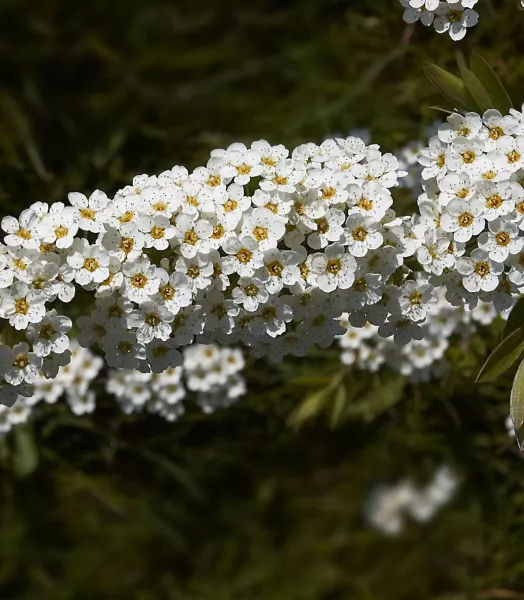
pixel 378 400
pixel 504 355
pixel 477 90
pixel 309 408
pixel 486 75
pixel 450 86
pixel 25 456
pixel 517 399
pixel 339 405
pixel 515 319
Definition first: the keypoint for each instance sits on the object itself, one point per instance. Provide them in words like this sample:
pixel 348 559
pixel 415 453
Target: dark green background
pixel 239 505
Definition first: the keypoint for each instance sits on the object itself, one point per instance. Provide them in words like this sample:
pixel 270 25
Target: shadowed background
pixel 240 505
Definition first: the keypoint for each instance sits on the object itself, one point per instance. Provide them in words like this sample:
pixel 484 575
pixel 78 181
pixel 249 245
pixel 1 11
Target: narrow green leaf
pixel 441 109
pixel 486 75
pixel 309 408
pixel 504 355
pixel 517 399
pixel 450 86
pixel 339 405
pixel 25 456
pixel 515 319
pixel 378 400
pixel 477 90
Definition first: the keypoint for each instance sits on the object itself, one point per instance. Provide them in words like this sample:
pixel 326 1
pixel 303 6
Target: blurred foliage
pixel 263 500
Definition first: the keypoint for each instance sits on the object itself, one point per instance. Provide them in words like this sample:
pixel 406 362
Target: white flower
pixel 140 280
pixel 193 236
pixel 280 269
pixel 479 272
pixel 463 219
pixel 362 235
pixel 244 256
pixel 19 364
pixel 60 225
pixel 91 212
pixel 157 231
pixel 25 232
pixel 151 321
pixel 501 240
pixel 22 306
pixel 455 20
pixel 175 290
pixel 50 335
pixel 264 227
pixel 334 268
pixel 90 262
pixel 250 293
pixel 466 126
pixel 122 351
pixel 125 243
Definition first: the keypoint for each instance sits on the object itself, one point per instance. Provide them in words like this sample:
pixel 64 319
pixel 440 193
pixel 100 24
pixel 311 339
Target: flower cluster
pixel 472 209
pixel 213 373
pixel 388 506
pixel 419 360
pixel 261 246
pixel 447 16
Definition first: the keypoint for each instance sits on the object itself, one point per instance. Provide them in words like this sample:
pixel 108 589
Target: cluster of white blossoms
pixel 472 209
pixel 389 505
pixel 261 246
pixel 267 249
pixel 419 360
pixel 212 373
pixel 453 17
pixel 72 382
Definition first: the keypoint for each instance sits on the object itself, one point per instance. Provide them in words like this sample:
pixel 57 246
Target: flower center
pixel 415 298
pixel 39 283
pixel 191 237
pixel 465 220
pixel 214 181
pixel 139 280
pixel 334 266
pixel 88 213
pixel 25 234
pixel 167 292
pixel 275 268
pixel 463 193
pixel 464 131
pixel 322 225
pixel 21 361
pixel 127 245
pixel 21 306
pixel 192 200
pixel 230 205
pixel 159 207
pixel 152 319
pixel 244 169
pixel 359 234
pixel 365 204
pixel 251 290
pixel 91 264
pixel 482 269
pixel 513 157
pixel 495 132
pixel 469 157
pixel 280 180
pixel 157 233
pixel 218 232
pixel 61 232
pixel 126 217
pixel 260 233
pixel 46 331
pixel 502 238
pixel 328 193
pixel 193 271
pixel 493 201
pixel 244 255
